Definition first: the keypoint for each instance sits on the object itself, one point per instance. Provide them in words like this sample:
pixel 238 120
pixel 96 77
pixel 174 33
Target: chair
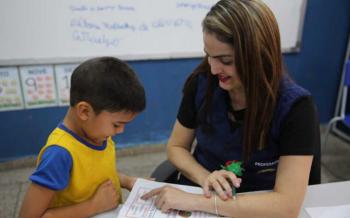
pixel 343 116
pixel 165 172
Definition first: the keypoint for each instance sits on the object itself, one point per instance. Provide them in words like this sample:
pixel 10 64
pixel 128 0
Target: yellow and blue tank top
pixel 74 168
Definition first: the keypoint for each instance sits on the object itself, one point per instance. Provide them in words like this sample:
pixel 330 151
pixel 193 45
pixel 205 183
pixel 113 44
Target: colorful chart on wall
pixel 10 90
pixel 62 75
pixel 38 85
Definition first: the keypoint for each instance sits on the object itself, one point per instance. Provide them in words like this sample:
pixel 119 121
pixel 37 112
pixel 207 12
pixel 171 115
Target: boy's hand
pixel 128 182
pixel 133 180
pixel 105 198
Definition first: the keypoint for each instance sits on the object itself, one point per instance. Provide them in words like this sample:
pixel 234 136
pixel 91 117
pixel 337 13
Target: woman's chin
pixel 225 86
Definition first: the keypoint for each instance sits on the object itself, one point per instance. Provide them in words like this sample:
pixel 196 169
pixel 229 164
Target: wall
pixel 317 67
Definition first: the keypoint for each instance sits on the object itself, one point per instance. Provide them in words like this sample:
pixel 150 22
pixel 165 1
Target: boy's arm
pixel 127 181
pixel 36 201
pixel 38 198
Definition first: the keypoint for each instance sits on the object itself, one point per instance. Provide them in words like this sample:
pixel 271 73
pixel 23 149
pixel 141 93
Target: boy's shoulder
pixel 60 137
pixel 64 138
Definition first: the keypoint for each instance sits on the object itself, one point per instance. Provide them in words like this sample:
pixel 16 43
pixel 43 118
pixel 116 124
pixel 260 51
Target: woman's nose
pixel 215 67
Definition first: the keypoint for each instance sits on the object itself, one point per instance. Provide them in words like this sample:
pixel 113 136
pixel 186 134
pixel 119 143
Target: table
pixel 327 194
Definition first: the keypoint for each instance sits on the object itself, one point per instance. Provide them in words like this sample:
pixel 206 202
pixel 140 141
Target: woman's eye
pixel 226 62
pixel 115 125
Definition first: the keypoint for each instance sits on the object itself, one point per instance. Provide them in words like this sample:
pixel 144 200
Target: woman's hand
pixel 221 182
pixel 168 197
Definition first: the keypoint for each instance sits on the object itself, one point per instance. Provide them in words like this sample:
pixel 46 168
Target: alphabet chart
pixel 10 90
pixel 38 84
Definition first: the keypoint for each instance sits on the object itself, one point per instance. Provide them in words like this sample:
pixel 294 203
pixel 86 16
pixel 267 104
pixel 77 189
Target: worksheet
pixel 135 207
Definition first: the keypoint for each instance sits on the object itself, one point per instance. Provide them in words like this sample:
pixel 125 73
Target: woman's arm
pixel 178 149
pixel 38 198
pixel 284 201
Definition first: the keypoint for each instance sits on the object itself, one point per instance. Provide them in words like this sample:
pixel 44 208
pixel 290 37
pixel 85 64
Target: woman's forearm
pixel 186 164
pixel 265 204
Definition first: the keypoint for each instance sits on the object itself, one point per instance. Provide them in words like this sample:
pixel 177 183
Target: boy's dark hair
pixel 107 83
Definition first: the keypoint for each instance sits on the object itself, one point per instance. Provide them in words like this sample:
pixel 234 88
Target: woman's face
pixel 222 62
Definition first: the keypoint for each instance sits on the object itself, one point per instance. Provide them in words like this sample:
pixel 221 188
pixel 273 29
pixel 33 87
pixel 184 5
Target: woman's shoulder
pixel 191 84
pixel 292 99
pixel 290 89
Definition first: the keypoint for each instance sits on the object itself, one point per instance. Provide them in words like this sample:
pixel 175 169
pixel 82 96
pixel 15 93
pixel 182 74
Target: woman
pixel 240 105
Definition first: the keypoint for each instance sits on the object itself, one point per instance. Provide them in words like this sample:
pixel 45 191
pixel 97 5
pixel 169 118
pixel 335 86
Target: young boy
pixel 76 173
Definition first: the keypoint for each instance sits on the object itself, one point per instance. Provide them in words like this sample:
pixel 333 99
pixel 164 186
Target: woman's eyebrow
pixel 218 56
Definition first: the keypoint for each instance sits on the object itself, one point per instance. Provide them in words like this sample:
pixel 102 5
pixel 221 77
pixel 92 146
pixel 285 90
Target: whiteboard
pixel 68 31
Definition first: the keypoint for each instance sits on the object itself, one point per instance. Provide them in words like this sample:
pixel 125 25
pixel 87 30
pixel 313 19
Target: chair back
pixel 347 74
pixel 345 89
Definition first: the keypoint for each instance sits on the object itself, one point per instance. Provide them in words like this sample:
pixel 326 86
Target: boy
pixel 76 173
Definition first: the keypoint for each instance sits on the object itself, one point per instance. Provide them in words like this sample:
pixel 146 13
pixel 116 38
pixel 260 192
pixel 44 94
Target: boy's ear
pixel 84 110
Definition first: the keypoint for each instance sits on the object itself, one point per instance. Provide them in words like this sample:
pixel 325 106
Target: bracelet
pixel 216 206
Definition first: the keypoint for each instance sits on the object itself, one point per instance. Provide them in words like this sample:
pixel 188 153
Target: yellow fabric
pixel 90 168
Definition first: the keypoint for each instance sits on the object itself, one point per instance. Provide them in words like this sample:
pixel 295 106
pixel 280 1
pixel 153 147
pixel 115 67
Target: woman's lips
pixel 223 78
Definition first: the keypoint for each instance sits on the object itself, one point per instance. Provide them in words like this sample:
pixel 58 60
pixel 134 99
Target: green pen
pixel 235 167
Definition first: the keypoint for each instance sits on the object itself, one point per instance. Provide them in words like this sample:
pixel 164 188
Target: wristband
pixel 216 206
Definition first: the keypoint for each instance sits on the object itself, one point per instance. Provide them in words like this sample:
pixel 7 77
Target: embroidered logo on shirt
pixel 266 164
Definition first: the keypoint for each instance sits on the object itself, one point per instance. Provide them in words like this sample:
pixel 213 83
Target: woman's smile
pixel 223 78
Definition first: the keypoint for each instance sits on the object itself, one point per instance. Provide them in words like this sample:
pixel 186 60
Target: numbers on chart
pixel 31 83
pixel 66 81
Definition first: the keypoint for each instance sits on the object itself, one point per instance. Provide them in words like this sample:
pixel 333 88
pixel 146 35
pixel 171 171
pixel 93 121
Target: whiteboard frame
pixel 297 47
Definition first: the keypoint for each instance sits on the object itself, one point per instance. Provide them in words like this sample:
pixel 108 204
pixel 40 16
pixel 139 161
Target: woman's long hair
pixel 251 28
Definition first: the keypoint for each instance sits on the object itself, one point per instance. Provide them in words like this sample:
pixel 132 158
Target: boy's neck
pixel 72 122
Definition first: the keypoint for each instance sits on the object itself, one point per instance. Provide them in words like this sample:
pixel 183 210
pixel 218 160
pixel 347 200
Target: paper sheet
pixel 135 207
pixel 340 211
pixel 109 214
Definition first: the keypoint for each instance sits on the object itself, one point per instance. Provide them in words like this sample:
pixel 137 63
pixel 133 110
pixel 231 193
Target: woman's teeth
pixel 223 78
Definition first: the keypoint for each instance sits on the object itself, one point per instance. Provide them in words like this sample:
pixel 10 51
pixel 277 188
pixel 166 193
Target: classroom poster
pixel 38 84
pixel 63 73
pixel 10 89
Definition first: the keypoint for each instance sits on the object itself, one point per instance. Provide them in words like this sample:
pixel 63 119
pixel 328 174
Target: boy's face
pixel 98 128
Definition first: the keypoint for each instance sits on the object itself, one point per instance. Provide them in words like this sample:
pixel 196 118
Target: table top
pixel 327 194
